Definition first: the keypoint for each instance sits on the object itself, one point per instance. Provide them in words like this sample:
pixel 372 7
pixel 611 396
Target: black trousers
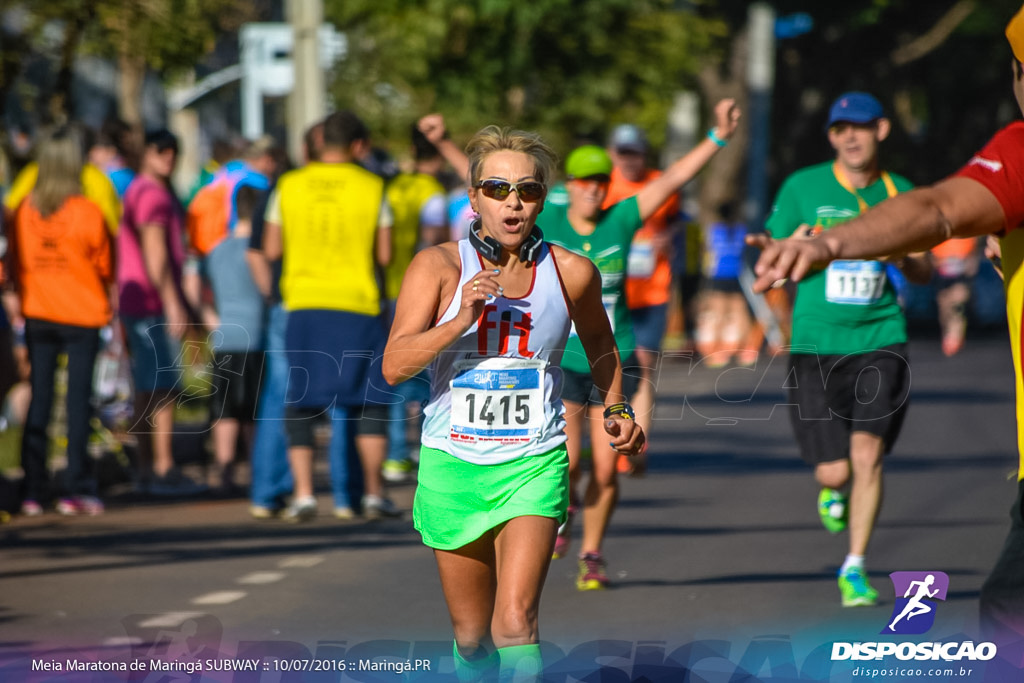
pixel 45 341
pixel 1002 595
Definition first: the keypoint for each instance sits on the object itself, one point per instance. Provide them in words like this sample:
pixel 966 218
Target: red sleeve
pixel 999 166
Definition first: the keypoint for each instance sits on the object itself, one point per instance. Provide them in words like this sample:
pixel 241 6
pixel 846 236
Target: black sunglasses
pixel 529 191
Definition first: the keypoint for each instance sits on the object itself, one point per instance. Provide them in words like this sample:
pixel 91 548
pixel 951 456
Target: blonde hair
pixel 494 139
pixel 60 170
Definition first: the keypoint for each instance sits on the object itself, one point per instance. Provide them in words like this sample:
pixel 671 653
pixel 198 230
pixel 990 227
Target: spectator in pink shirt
pixel 151 252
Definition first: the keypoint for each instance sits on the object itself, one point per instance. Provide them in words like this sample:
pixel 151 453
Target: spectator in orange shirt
pixel 649 271
pixel 956 263
pixel 61 266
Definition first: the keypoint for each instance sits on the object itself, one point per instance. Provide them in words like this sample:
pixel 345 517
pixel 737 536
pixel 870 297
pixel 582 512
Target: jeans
pixel 271 475
pixel 417 390
pixel 156 357
pixel 46 340
pixel 343 459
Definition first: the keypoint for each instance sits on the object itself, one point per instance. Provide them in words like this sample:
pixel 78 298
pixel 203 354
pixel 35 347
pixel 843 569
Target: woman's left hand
pixel 627 436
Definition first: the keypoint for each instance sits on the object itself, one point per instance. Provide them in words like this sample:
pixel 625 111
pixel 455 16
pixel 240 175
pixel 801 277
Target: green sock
pixel 476 667
pixel 519 663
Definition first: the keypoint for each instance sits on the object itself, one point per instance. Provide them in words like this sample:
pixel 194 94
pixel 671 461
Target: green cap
pixel 588 160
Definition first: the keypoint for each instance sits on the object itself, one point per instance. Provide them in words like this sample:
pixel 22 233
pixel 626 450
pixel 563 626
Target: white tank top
pixel 495 393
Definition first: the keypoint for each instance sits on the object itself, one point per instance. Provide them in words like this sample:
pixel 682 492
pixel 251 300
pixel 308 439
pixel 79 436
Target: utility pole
pixel 306 103
pixel 765 29
pixel 760 82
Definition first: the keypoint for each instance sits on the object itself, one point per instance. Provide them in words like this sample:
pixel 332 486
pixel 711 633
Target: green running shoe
pixel 833 509
pixel 855 589
pixel 397 471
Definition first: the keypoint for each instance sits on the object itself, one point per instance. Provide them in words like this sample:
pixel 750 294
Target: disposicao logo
pixel 914 612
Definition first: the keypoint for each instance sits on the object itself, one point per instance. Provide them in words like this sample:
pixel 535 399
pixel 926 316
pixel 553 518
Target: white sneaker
pixel 375 507
pixel 344 512
pixel 301 510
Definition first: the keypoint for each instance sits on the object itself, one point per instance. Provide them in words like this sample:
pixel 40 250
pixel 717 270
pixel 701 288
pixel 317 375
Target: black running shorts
pixel 832 396
pixel 578 387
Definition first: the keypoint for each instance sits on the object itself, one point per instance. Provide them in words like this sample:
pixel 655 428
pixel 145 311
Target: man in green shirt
pixel 848 355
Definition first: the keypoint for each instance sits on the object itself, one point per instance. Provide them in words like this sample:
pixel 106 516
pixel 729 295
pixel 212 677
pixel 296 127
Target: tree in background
pixel 166 36
pixel 571 70
pixel 565 69
pixel 939 69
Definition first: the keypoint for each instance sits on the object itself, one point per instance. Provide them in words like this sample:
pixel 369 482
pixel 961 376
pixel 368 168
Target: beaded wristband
pixel 715 139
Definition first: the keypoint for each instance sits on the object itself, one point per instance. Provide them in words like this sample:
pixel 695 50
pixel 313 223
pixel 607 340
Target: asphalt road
pixel 721 569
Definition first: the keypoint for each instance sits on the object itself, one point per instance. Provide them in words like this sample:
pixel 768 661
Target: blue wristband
pixel 715 139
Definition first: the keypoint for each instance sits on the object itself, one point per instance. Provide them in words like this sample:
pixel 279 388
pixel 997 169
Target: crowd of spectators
pixel 174 311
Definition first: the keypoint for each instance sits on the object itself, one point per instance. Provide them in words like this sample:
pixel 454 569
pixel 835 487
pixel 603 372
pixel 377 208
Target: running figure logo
pixel 914 613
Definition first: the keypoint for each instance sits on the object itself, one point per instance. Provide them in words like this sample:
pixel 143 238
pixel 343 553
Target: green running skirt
pixel 457 502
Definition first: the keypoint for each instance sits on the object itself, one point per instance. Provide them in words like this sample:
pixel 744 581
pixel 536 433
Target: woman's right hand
pixel 477 291
pixel 176 316
pixel 433 128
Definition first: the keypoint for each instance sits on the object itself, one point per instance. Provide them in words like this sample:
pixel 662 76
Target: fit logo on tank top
pixel 496 327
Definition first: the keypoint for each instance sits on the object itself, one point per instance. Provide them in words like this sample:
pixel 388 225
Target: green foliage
pixel 560 67
pixel 167 35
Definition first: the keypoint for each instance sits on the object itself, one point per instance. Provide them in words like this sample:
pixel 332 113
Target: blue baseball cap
pixel 855 107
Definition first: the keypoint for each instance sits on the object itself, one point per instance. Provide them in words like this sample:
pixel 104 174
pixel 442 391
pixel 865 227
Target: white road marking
pixel 173 619
pixel 119 641
pixel 219 598
pixel 301 561
pixel 259 578
pixel 169 620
